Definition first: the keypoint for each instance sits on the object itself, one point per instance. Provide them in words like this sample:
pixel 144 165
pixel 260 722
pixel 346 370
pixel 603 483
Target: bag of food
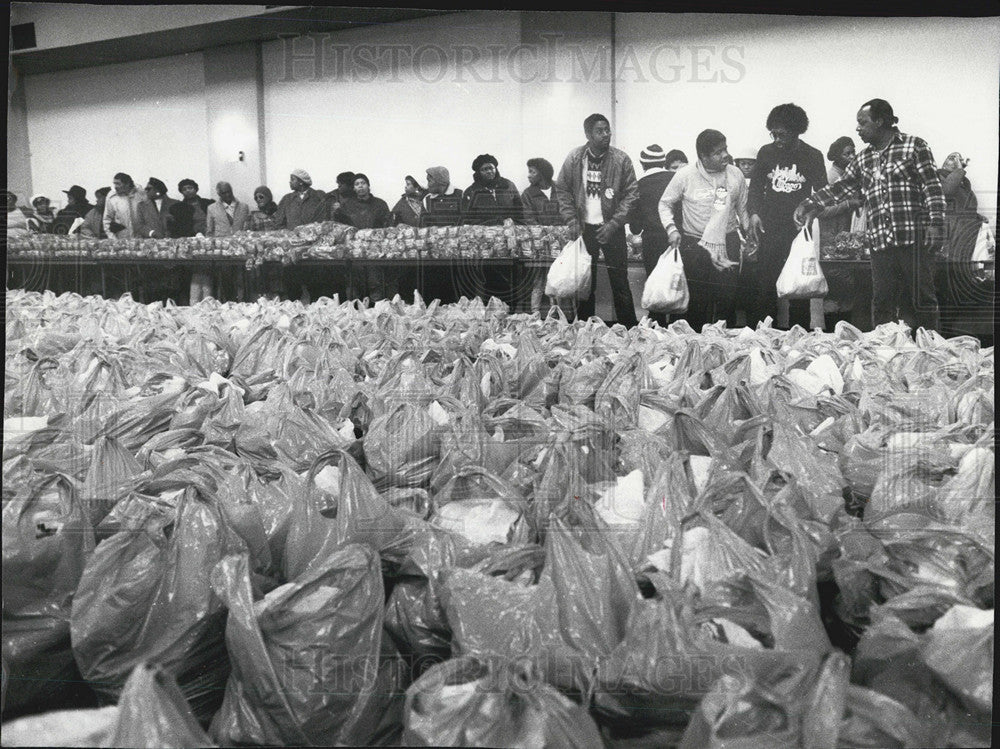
pixel 480 702
pixel 666 289
pixel 802 277
pixel 305 657
pixel 569 276
pixel 152 712
pixel 47 539
pixel 146 595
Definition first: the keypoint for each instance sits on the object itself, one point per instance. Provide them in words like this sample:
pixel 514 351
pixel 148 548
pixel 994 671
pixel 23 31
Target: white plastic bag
pixel 802 277
pixel 859 220
pixel 666 289
pixel 569 275
pixel 986 245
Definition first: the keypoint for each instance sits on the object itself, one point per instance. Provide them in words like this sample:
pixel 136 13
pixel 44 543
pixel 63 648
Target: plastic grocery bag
pixel 801 277
pixel 666 289
pixel 986 245
pixel 152 713
pixel 59 728
pixel 306 657
pixel 485 703
pixel 47 539
pixel 569 276
pixel 146 595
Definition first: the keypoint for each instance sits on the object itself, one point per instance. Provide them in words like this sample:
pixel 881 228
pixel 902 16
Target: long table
pixel 965 290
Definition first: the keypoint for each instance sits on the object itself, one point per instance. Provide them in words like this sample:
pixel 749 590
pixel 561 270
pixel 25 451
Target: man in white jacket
pixel 121 210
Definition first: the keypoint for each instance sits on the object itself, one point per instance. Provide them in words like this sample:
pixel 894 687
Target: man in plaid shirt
pixel 896 178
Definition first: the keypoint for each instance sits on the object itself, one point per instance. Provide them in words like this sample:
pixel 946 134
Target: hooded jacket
pixel 489 205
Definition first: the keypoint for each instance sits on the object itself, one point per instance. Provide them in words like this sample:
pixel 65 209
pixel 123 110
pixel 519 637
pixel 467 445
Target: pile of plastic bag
pixel 450 525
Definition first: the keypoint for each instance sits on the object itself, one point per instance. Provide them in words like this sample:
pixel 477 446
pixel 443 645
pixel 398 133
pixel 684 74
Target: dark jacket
pixel 645 217
pixel 186 222
pixel 371 213
pixel 781 179
pixel 65 218
pixel 490 205
pixel 403 213
pixel 539 209
pixel 162 223
pixel 442 210
pixel 334 199
pixel 619 188
pixel 294 211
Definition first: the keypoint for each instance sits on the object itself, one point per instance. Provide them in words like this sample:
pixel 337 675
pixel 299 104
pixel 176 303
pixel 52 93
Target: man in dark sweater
pixel 787 171
pixel 645 217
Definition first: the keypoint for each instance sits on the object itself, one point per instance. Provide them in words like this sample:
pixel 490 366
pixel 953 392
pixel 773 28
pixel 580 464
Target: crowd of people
pixel 708 211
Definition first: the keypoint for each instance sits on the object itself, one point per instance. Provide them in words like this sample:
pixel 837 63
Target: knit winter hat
pixel 652 156
pixel 157 185
pixel 303 175
pixel 484 158
pixel 438 174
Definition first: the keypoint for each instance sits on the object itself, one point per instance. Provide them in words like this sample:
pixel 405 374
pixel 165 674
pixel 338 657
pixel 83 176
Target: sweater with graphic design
pixel 782 178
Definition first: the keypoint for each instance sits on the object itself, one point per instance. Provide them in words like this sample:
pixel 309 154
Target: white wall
pixel 940 74
pixel 402 121
pixel 144 118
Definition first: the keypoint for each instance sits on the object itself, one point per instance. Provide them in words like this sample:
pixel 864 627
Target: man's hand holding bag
pixel 802 277
pixel 569 276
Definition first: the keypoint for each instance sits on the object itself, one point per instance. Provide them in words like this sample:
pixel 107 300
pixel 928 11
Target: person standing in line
pixel 490 199
pixel 839 218
pixel 785 171
pixel 303 205
pixel 93 225
pixel 17 221
pixel 712 197
pixel 226 216
pixel 541 207
pixel 191 220
pixel 156 212
pixel 645 218
pixel 77 206
pixel 121 210
pixel 261 218
pixel 41 219
pixel 442 203
pixel 410 205
pixel 345 190
pixel 904 205
pixel 365 211
pixel 597 191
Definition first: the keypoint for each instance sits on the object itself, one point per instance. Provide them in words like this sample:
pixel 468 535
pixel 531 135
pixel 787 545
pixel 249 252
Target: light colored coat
pixel 124 210
pixel 218 224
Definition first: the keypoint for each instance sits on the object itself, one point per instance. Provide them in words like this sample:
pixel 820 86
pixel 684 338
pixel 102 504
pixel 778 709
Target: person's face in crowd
pixel 599 139
pixel 676 164
pixel 487 172
pixel 716 160
pixel 534 177
pixel 345 188
pixel 190 192
pixel 362 189
pixel 121 187
pixel 783 137
pixel 847 154
pixel 42 205
pixel 260 199
pixel 11 202
pixel 410 188
pixel 296 184
pixel 225 193
pixel 101 200
pixel 867 128
pixel 152 193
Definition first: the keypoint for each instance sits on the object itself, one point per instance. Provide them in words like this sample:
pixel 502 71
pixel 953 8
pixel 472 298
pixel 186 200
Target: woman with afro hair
pixel 787 171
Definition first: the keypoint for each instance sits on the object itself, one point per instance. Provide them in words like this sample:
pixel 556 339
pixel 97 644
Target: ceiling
pixel 263 27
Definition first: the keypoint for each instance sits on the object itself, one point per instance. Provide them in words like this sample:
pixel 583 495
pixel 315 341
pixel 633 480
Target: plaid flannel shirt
pixel 900 189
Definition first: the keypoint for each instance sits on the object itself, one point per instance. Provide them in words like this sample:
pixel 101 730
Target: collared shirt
pixel 900 189
pixel 230 209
